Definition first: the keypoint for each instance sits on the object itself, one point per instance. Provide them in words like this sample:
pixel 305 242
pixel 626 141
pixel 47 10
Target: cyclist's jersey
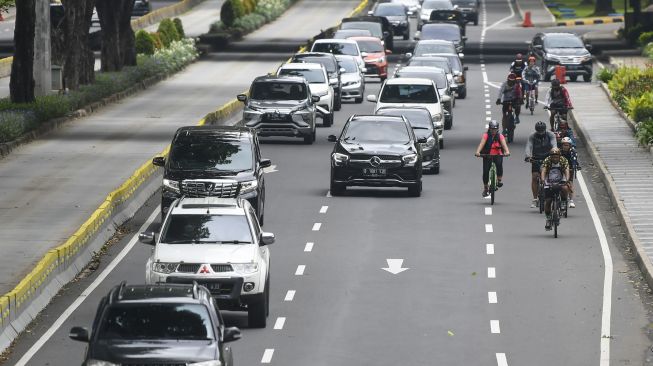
pixel 517 67
pixel 571 156
pixel 558 99
pixel 531 73
pixel 555 171
pixel 493 145
pixel 508 93
pixel 538 146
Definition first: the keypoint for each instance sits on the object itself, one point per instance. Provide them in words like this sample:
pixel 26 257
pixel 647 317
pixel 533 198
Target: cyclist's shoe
pixel 499 184
pixel 547 226
pixel 535 203
pixel 485 192
pixel 572 204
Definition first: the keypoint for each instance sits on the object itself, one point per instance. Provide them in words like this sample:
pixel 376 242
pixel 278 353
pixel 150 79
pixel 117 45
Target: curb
pixel 641 257
pixel 590 21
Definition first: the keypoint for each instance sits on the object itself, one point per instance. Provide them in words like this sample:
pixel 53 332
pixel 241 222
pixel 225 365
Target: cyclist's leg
pixel 498 161
pixel 536 89
pixel 535 173
pixel 552 119
pixel 486 174
pixel 504 118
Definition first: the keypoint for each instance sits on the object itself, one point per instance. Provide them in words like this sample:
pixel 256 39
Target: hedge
pixel 632 89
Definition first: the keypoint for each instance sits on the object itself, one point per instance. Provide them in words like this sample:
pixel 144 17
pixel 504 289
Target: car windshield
pixel 563 42
pixel 454 61
pixel 336 48
pixel 374 28
pixel 377 131
pixel 408 94
pixel 156 321
pixel 424 48
pixel 210 153
pixel 440 79
pixel 349 64
pixel 442 64
pixel 199 229
pixel 346 33
pixel 437 4
pixel 278 91
pixel 328 62
pixel 417 117
pixel 436 31
pixel 370 46
pixel 464 3
pixel 389 10
pixel 313 76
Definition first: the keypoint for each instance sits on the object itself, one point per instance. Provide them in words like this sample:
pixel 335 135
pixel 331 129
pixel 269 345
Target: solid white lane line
pixel 308 247
pixel 489 249
pixel 607 275
pixel 488 211
pixel 300 270
pixel 324 209
pixel 317 226
pixel 494 327
pixel 290 295
pixel 267 355
pixel 489 228
pixel 501 359
pixel 512 14
pixel 280 323
pixel 86 293
pixel 492 297
pixel 491 272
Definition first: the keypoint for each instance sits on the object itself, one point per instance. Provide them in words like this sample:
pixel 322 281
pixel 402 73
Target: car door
pixel 226 356
pixel 263 249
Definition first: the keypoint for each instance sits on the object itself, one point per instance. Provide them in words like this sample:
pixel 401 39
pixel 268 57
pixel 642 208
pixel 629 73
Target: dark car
pixel 566 49
pixel 141 7
pixel 330 63
pixel 367 22
pixel 347 33
pixel 420 120
pixel 451 16
pixel 214 161
pixel 157 325
pixel 281 106
pixel 469 8
pixel 443 31
pixel 397 15
pixel 459 73
pixel 377 151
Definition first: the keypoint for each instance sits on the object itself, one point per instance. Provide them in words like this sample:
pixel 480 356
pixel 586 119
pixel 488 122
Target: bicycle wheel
pixel 511 127
pixel 493 181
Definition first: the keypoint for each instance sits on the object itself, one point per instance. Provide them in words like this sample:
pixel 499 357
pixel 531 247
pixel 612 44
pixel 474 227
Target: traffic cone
pixel 1 17
pixel 527 20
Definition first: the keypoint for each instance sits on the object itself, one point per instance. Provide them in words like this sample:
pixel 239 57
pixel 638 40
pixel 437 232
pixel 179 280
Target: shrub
pixel 644 132
pixel 227 13
pixel 168 32
pixel 249 6
pixel 158 43
pixel 645 38
pixel 144 42
pixel 180 28
pixel 630 82
pixel 605 75
pixel 640 108
pixel 648 50
pixel 250 22
pixel 239 8
pixel 13 123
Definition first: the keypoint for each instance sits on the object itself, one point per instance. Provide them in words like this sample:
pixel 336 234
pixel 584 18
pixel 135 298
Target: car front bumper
pixel 570 69
pixel 395 177
pixel 168 197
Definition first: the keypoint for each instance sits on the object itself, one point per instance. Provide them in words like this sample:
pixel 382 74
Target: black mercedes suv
pixel 379 151
pixel 334 71
pixel 217 161
pixel 566 49
pixel 157 325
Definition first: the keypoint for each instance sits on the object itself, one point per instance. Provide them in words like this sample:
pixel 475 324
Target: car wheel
pixel 436 169
pixel 309 139
pixel 463 94
pixel 448 124
pixel 415 190
pixel 587 78
pixel 327 121
pixel 257 312
pixel 358 100
pixel 337 189
pixel 441 144
pixel 476 21
pixel 573 77
pixel 337 103
pixel 406 36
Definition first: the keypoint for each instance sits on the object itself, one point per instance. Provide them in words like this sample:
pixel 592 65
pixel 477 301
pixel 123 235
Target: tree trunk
pixel 603 7
pixel 76 29
pixel 21 85
pixel 127 38
pixel 117 36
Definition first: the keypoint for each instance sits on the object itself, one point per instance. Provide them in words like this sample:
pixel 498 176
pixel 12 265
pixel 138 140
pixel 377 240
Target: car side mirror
pixel 231 334
pixel 315 98
pixel 446 98
pixel 417 36
pixel 159 161
pixel 343 70
pixel 372 98
pixel 461 55
pixel 422 140
pixel 242 97
pixel 267 238
pixel 388 52
pixel 265 163
pixel 364 54
pixel 79 334
pixel 588 47
pixel 465 68
pixel 371 12
pixel 409 55
pixel 332 138
pixel 146 237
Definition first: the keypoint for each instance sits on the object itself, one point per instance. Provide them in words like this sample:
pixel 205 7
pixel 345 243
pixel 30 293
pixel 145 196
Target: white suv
pixel 218 243
pixel 340 47
pixel 318 80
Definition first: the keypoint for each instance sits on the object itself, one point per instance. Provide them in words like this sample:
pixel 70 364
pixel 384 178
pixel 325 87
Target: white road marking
pixel 317 226
pixel 607 275
pixel 267 355
pixel 487 101
pixel 324 209
pixel 494 327
pixel 280 323
pixel 489 249
pixel 488 119
pixel 488 106
pixel 328 194
pixel 290 295
pixel 488 112
pixel 501 359
pixel 491 272
pixel 492 297
pixel 487 95
pixel 395 266
pixel 85 294
pixel 512 14
pixel 309 247
pixel 489 228
pixel 300 270
pixel 488 211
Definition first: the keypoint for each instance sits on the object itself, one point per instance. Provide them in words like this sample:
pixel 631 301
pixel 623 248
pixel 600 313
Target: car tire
pixel 358 100
pixel 337 189
pixel 441 144
pixel 436 169
pixel 573 77
pixel 337 103
pixel 587 78
pixel 476 21
pixel 257 311
pixel 415 190
pixel 309 139
pixel 406 36
pixel 463 94
pixel 448 124
pixel 327 121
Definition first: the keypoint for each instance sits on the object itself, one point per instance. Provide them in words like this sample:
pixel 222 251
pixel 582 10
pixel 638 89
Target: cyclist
pixel 555 170
pixel 509 94
pixel 537 148
pixel 565 131
pixel 558 98
pixel 568 151
pixel 530 74
pixel 518 65
pixel 492 143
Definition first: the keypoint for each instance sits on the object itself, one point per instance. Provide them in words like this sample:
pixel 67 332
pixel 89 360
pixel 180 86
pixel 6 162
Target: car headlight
pixel 352 83
pixel 437 117
pixel 340 159
pixel 430 143
pixel 245 268
pixel 172 185
pixel 409 159
pixel 248 186
pixel 438 126
pixel 333 81
pixel 304 114
pixel 161 267
pixel 380 59
pixel 206 363
pixel 460 78
pixel 100 363
pixel 586 58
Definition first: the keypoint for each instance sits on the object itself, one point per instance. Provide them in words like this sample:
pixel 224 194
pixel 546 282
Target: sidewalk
pixel 628 168
pixel 540 15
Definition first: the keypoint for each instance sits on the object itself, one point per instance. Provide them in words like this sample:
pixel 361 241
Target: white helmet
pixel 565 140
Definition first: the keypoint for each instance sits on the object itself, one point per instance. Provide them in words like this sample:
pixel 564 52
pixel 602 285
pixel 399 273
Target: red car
pixel 374 55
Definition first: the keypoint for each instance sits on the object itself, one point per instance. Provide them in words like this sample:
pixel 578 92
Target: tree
pixel 21 84
pixel 118 43
pixel 603 7
pixel 587 2
pixel 71 43
pixel 6 4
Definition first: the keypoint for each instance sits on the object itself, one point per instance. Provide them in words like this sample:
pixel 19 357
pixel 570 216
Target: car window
pixel 336 48
pixel 278 91
pixel 374 28
pixel 328 62
pixel 437 4
pixel 377 131
pixel 370 46
pixel 424 48
pixel 442 64
pixel 439 79
pixel 563 42
pixel 454 61
pixel 464 3
pixel 349 64
pixel 417 117
pixel 313 76
pixel 156 321
pixel 435 31
pixel 389 10
pixel 194 153
pixel 202 229
pixel 346 33
pixel 408 94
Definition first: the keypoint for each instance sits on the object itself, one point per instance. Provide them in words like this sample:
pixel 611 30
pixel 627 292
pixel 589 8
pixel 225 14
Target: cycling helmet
pixel 565 140
pixel 554 151
pixel 512 76
pixel 555 83
pixel 493 124
pixel 519 56
pixel 540 126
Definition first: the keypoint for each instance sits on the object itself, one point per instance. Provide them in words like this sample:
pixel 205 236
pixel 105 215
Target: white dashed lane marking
pixel 300 270
pixel 489 228
pixel 290 295
pixel 492 297
pixel 494 327
pixel 308 247
pixel 280 323
pixel 324 209
pixel 491 272
pixel 489 249
pixel 317 226
pixel 501 359
pixel 488 211
pixel 267 355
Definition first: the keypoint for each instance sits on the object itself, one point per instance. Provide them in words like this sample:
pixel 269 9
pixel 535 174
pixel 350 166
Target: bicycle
pixel 530 96
pixel 492 182
pixel 557 209
pixel 509 124
pixel 557 117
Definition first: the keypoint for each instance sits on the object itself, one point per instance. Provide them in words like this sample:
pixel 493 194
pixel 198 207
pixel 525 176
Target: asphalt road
pixel 484 285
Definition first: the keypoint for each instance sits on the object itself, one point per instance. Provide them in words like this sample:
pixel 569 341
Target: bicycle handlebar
pixel 489 155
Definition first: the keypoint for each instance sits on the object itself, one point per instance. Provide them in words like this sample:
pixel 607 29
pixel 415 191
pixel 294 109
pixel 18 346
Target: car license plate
pixel 374 172
pixel 213 286
pixel 276 117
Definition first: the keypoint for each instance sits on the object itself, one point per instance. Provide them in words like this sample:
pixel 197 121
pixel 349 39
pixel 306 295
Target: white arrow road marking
pixel 395 266
pixel 270 169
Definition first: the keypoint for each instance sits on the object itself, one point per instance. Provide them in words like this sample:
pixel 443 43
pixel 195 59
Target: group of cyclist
pixel 551 152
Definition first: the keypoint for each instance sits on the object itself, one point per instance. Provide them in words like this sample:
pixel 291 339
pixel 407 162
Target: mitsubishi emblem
pixel 204 269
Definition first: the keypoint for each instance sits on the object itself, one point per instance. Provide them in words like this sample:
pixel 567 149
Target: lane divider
pixel 590 21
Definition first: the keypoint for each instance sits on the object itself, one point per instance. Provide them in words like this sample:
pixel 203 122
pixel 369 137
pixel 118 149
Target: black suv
pixel 564 49
pixel 330 63
pixel 469 8
pixel 157 325
pixel 216 161
pixel 281 106
pixel 397 15
pixel 380 151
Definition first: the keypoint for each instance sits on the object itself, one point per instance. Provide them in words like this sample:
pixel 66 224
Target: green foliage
pixel 239 8
pixel 250 6
pixel 168 32
pixel 648 50
pixel 217 27
pixel 250 22
pixel 629 82
pixel 272 9
pixel 227 13
pixel 180 28
pixel 644 132
pixel 605 75
pixel 13 123
pixel 640 107
pixel 645 38
pixel 158 43
pixel 144 42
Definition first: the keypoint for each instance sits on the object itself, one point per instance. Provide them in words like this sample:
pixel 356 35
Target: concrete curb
pixel 589 21
pixel 641 257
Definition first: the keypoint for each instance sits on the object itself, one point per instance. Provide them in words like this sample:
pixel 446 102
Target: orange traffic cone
pixel 527 20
